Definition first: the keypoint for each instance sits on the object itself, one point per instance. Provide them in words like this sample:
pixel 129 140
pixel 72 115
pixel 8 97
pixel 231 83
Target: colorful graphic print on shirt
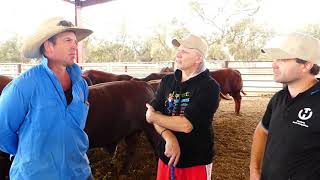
pixel 176 103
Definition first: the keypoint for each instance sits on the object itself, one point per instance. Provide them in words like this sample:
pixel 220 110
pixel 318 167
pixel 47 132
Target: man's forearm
pixel 158 128
pixel 258 149
pixel 175 123
pixel 164 132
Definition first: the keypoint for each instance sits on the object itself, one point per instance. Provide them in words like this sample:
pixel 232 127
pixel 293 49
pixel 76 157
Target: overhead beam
pixel 86 2
pixel 78 5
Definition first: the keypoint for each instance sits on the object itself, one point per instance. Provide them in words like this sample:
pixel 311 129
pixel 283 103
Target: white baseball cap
pixel 294 45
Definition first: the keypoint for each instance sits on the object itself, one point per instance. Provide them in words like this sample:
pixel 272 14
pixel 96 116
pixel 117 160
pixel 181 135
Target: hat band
pixel 65 23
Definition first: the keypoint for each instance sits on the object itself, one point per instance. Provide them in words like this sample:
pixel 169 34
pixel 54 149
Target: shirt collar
pixel 73 70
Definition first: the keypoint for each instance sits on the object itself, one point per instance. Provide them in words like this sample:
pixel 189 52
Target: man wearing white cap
pixel 286 142
pixel 43 111
pixel 185 125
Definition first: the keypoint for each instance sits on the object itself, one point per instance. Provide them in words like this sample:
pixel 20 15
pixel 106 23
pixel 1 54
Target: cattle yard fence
pixel 257 75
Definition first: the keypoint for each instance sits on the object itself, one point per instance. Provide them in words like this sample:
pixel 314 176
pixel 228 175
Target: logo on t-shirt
pixel 303 115
pixel 176 103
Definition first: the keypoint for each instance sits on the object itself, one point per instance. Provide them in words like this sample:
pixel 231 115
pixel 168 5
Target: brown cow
pixel 154 84
pixel 117 111
pixel 5 164
pixel 231 83
pixel 97 77
pixel 4 80
pixel 166 70
pixel 153 76
pixel 4 157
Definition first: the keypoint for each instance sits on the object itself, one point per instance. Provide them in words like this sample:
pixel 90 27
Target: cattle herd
pixel 117 108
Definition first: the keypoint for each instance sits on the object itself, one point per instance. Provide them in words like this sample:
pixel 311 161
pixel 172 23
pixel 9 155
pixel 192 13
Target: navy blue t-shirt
pixel 293 143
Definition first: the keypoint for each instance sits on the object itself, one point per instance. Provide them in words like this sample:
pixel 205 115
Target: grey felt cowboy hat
pixel 49 28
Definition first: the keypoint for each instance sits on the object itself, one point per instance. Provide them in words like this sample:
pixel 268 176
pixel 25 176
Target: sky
pixel 140 17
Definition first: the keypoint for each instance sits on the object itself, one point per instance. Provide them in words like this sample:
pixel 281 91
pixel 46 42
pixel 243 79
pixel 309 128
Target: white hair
pixel 202 67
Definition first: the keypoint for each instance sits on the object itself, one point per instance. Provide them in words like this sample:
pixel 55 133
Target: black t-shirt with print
pixel 293 143
pixel 197 99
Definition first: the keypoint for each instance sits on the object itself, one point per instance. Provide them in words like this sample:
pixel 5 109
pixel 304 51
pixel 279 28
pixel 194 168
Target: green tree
pixel 10 50
pixel 246 38
pixel 234 35
pixel 142 50
pixel 312 29
pixel 106 51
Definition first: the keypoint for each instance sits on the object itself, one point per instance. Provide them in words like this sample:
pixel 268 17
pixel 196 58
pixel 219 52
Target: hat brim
pixel 31 47
pixel 177 44
pixel 276 53
pixel 187 43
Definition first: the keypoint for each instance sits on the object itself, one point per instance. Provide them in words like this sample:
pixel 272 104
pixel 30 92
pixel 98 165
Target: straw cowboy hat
pixel 49 28
pixel 294 45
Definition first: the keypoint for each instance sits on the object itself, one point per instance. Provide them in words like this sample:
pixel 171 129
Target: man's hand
pixel 172 148
pixel 149 113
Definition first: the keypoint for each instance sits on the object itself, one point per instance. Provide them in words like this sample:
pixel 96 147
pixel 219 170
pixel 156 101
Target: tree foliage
pixel 312 29
pixel 235 35
pixel 106 51
pixel 232 34
pixel 10 50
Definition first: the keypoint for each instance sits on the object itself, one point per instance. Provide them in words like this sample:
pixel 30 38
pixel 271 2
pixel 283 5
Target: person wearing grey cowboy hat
pixel 43 111
pixel 286 141
pixel 182 113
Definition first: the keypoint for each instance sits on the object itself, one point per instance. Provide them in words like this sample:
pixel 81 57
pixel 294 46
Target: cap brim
pixel 276 53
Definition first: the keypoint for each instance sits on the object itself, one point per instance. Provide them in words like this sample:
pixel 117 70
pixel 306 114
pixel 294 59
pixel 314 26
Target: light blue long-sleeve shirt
pixel 44 133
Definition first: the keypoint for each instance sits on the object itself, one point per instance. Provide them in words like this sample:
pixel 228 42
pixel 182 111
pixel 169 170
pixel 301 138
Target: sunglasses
pixel 65 23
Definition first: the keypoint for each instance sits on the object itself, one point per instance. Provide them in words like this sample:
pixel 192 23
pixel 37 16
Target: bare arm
pixel 175 123
pixel 172 148
pixel 257 151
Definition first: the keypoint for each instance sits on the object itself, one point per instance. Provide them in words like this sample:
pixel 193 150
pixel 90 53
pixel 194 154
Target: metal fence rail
pixel 257 76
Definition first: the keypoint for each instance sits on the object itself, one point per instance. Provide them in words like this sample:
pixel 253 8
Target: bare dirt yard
pixel 233 137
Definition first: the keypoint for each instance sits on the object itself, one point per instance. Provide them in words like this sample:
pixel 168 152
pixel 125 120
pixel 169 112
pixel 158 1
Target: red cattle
pixel 117 111
pixel 5 164
pixel 166 70
pixel 89 82
pixel 4 157
pixel 4 80
pixel 154 84
pixel 152 76
pixel 231 83
pixel 97 77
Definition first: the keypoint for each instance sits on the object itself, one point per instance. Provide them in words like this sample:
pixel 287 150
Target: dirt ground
pixel 233 137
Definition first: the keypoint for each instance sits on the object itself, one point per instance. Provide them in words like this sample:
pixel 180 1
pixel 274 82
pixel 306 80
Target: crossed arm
pixel 176 123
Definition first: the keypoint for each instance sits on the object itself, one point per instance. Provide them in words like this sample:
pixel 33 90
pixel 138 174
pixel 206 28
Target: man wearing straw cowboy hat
pixel 286 142
pixel 43 111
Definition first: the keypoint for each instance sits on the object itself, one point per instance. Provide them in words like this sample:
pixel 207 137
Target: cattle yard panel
pixel 257 75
